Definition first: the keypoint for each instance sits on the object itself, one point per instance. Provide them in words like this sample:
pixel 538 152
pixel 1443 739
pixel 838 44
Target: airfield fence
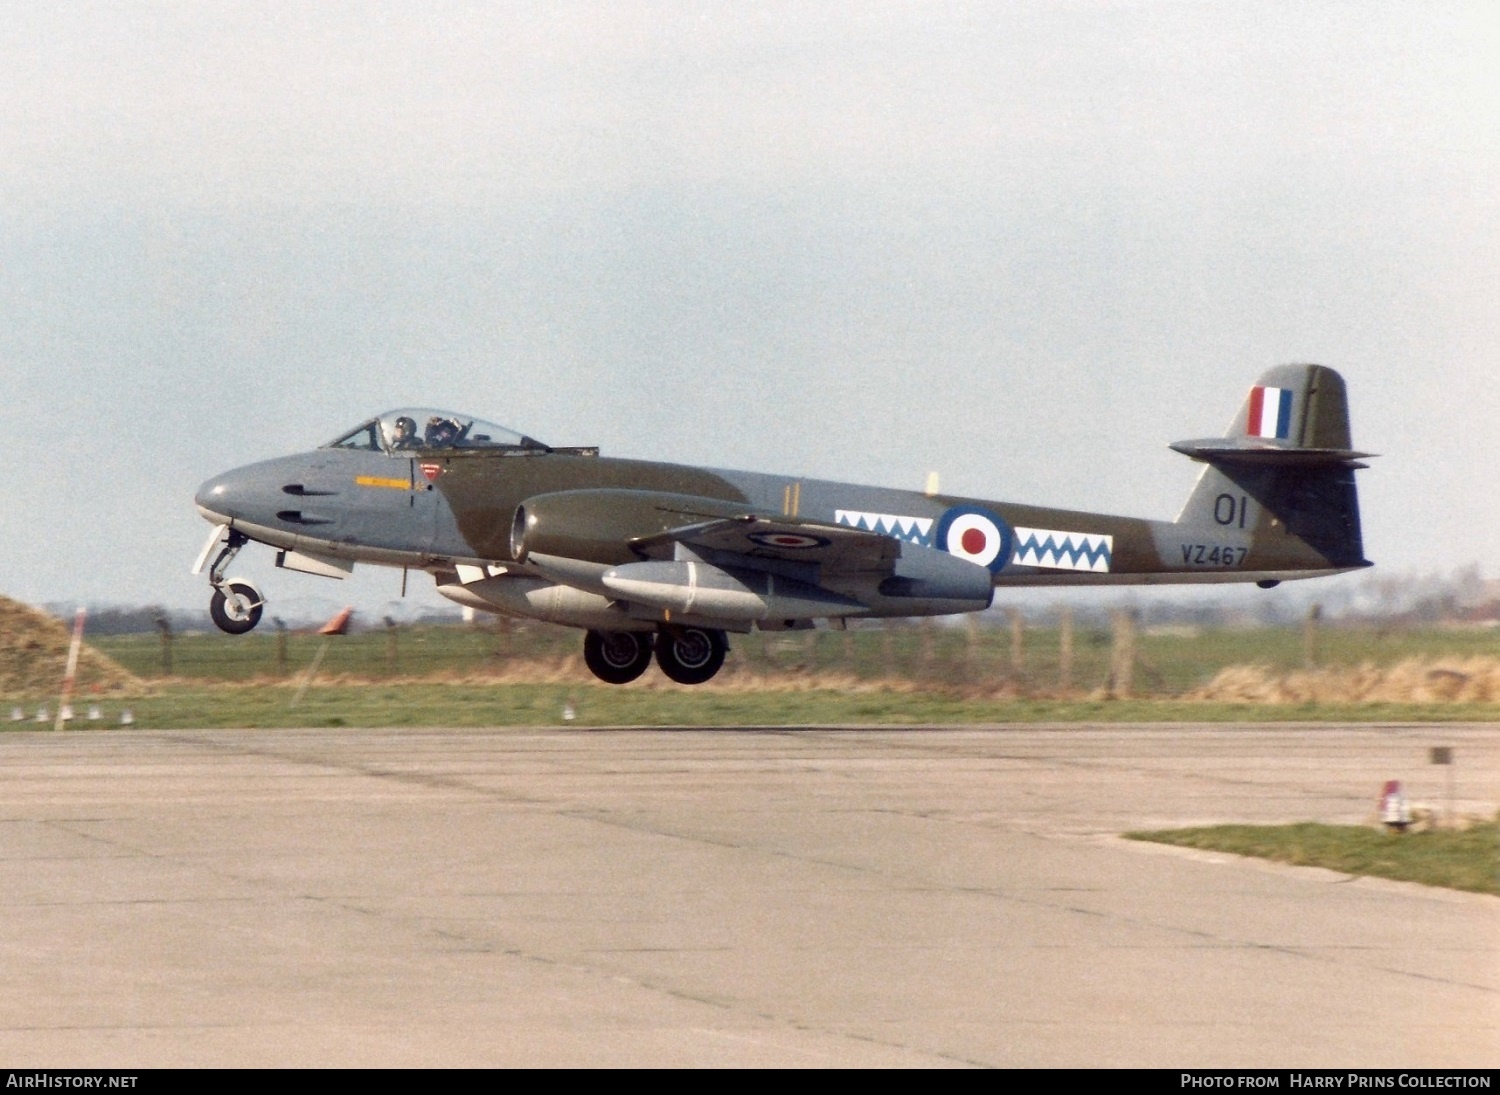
pixel 1010 656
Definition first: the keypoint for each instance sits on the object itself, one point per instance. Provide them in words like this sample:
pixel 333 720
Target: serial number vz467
pixel 1212 555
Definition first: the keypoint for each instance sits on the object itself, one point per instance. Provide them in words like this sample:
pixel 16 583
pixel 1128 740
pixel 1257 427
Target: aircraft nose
pixel 216 498
pixel 270 494
pixel 245 494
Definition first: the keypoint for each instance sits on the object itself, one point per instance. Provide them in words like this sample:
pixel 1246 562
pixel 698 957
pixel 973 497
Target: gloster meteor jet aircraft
pixel 663 560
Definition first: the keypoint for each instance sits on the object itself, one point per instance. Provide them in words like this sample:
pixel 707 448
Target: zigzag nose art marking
pixel 1039 547
pixel 913 530
pixel 983 537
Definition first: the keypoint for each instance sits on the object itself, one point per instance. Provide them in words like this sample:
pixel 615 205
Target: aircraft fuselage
pixel 625 547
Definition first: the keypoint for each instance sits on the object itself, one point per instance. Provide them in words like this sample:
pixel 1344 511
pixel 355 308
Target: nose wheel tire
pixel 617 657
pixel 236 607
pixel 691 655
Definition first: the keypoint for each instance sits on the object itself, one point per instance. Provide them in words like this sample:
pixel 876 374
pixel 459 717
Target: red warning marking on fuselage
pixel 430 472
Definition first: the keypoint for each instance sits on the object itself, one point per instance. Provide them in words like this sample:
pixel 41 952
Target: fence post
pixel 1122 662
pixel 1017 642
pixel 164 625
pixel 971 668
pixel 1310 636
pixel 1065 649
pixel 810 651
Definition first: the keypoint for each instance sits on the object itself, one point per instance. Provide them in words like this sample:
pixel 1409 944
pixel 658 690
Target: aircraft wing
pixel 807 568
pixel 835 549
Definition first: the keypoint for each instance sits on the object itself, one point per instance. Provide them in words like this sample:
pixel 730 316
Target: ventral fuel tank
pixel 689 587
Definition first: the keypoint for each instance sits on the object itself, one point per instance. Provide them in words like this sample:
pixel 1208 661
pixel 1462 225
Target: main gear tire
pixel 617 657
pixel 691 655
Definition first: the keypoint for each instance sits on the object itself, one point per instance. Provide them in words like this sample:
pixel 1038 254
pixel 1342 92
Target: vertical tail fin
pixel 1286 468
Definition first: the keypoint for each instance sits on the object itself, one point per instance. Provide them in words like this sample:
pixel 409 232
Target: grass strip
pixel 419 703
pixel 1466 859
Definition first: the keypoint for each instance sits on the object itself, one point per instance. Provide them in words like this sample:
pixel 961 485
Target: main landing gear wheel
pixel 691 655
pixel 236 607
pixel 617 657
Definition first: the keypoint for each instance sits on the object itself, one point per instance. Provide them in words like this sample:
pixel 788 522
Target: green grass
pixel 463 676
pixel 1466 860
pixel 422 703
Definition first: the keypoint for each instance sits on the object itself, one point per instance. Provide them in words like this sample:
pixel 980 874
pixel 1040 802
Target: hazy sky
pixel 1025 245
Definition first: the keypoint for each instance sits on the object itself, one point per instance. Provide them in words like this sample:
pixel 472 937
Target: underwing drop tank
pixel 539 599
pixel 691 588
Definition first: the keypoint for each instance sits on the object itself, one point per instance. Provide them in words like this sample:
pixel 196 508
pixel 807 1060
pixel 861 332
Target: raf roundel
pixel 975 534
pixel 792 540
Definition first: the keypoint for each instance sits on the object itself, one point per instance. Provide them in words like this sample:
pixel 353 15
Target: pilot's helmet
pixel 406 426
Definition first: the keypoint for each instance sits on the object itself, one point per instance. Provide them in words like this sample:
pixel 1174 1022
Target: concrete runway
pixel 925 897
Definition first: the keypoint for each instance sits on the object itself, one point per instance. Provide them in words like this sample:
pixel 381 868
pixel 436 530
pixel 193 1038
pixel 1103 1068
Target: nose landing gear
pixel 236 604
pixel 236 607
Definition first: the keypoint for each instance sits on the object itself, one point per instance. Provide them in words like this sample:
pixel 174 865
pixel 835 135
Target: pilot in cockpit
pixel 441 432
pixel 405 436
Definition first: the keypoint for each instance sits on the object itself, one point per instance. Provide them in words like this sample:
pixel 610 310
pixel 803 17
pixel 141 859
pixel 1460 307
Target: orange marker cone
pixel 339 625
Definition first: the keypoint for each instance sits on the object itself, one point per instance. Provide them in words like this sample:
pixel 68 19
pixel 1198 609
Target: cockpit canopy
pixel 423 429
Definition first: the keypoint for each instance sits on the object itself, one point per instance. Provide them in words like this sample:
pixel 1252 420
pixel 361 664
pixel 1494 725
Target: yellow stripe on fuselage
pixel 377 481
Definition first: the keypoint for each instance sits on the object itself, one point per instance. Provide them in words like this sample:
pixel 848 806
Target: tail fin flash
pixel 1295 414
pixel 1286 468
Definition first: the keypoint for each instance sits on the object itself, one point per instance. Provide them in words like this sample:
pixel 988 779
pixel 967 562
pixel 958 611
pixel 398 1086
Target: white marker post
pixel 64 712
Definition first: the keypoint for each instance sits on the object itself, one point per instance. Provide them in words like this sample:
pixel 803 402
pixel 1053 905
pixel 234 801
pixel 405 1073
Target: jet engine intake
pixel 598 525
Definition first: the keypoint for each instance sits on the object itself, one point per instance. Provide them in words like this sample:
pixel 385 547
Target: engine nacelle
pixel 596 525
pixel 928 582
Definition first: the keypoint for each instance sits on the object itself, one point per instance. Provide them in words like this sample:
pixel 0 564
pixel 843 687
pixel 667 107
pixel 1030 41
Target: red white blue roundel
pixel 787 540
pixel 975 534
